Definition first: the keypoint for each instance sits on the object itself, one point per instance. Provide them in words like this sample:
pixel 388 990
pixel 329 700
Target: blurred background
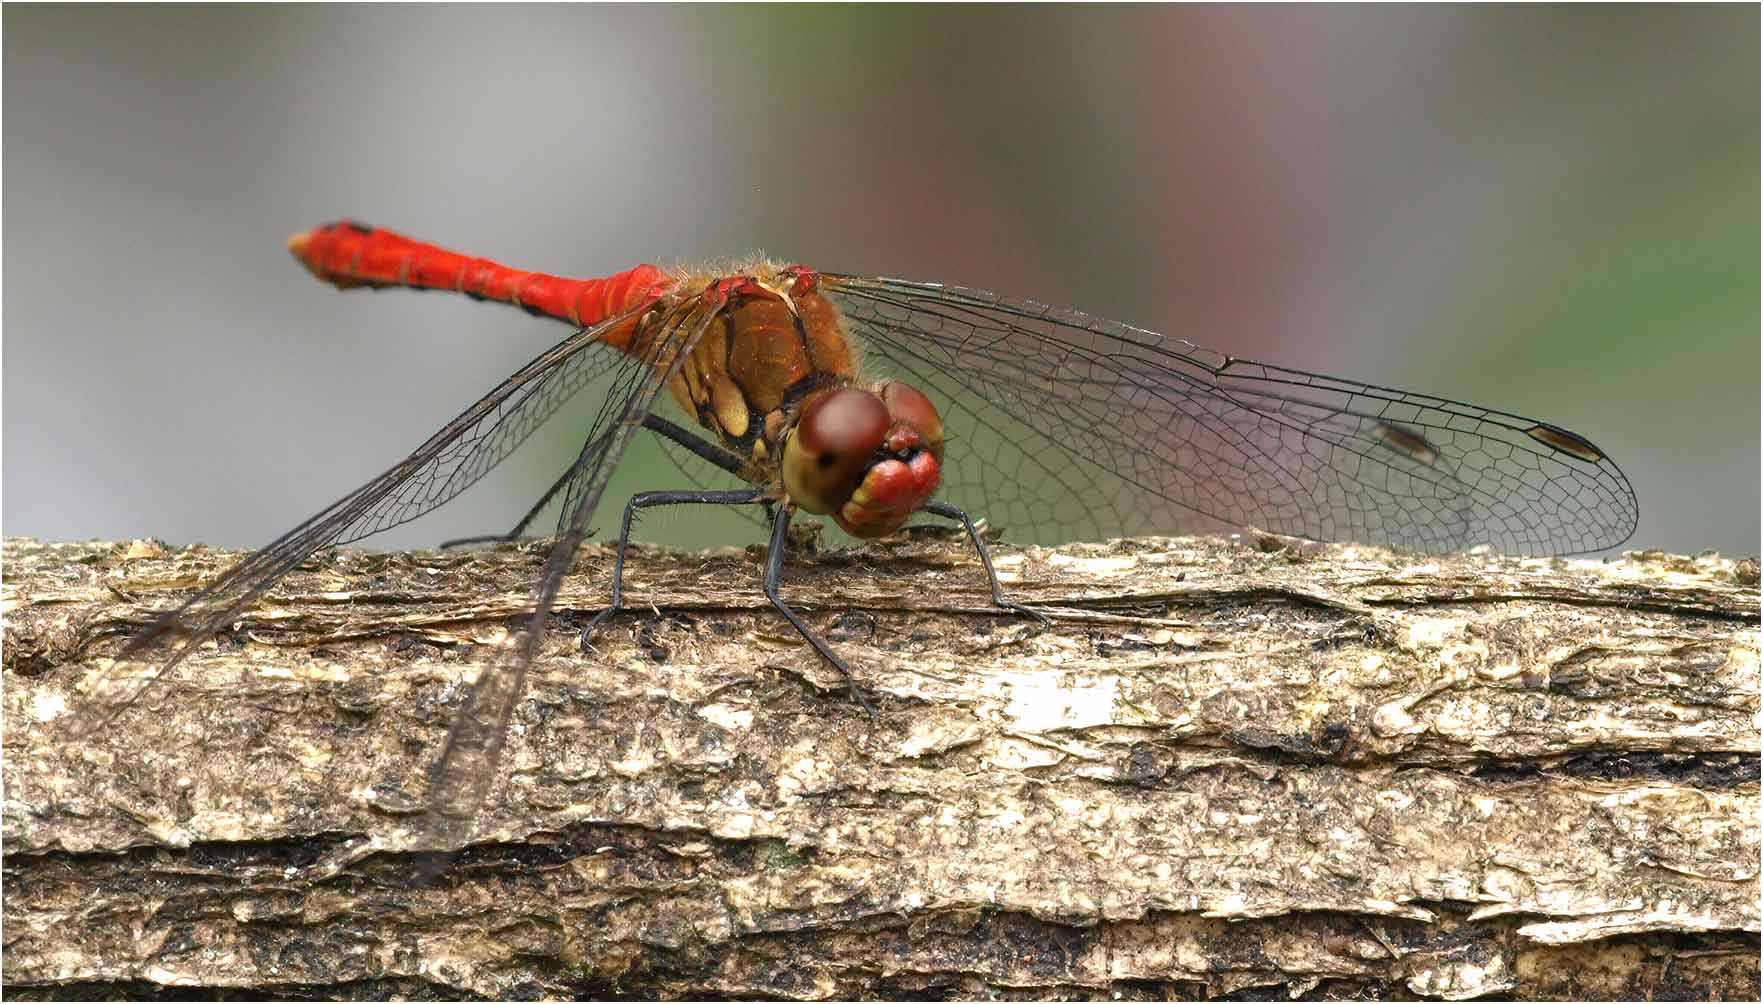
pixel 1551 211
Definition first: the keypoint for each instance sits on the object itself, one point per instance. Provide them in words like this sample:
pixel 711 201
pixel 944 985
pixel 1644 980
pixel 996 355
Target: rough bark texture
pixel 1243 767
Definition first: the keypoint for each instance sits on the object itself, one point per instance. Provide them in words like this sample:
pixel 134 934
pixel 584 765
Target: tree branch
pixel 1227 764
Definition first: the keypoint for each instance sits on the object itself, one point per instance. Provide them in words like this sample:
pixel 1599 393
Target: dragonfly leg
pixel 774 565
pixel 645 500
pixel 709 451
pixel 948 511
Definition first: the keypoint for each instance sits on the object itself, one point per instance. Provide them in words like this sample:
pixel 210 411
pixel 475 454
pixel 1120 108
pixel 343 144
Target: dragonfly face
pixel 868 458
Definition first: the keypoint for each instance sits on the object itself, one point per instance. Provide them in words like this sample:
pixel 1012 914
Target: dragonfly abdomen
pixel 349 255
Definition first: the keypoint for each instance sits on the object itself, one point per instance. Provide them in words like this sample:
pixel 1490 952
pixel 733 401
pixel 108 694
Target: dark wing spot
pixel 1408 442
pixel 1566 442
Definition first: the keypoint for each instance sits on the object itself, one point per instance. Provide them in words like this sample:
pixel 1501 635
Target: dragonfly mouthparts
pixel 903 443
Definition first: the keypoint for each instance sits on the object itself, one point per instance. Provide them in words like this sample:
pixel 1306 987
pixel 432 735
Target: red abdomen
pixel 349 254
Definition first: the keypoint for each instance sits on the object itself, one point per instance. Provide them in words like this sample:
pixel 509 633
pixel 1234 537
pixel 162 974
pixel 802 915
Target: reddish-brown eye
pixel 835 439
pixel 911 408
pixel 844 422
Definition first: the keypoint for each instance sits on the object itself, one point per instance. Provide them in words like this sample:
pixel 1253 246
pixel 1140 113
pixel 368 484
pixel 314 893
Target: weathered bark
pixel 1225 765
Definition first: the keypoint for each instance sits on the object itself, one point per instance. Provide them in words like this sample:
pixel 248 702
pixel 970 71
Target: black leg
pixel 774 564
pixel 725 459
pixel 737 496
pixel 948 511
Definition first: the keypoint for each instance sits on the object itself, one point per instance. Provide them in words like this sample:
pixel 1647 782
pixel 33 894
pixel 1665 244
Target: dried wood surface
pixel 1244 767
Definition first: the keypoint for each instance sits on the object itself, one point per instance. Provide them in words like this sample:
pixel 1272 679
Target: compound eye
pixel 835 440
pixel 909 407
pixel 845 422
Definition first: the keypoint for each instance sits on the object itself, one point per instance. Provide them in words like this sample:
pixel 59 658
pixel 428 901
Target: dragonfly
pixel 866 400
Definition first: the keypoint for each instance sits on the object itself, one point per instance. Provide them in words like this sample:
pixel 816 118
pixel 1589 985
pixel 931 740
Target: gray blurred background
pixel 1544 210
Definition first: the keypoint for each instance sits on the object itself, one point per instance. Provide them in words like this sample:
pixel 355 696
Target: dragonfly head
pixel 867 457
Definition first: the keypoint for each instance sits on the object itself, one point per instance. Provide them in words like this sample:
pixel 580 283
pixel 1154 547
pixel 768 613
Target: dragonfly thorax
pixel 773 376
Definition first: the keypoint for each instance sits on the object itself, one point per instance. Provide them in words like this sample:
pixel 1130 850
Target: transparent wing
pixel 448 463
pixel 1064 425
pixel 462 774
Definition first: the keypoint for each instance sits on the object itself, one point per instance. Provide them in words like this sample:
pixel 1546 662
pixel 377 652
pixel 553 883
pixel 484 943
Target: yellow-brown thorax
pixel 755 365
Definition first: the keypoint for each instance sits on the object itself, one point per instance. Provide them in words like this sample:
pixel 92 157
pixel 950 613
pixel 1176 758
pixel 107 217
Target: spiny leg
pixel 645 500
pixel 948 511
pixel 711 452
pixel 774 564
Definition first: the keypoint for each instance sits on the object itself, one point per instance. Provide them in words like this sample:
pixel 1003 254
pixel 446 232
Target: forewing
pixel 1063 426
pixel 448 463
pixel 462 774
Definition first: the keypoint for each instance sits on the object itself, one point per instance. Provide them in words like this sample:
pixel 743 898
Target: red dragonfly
pixel 1058 424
